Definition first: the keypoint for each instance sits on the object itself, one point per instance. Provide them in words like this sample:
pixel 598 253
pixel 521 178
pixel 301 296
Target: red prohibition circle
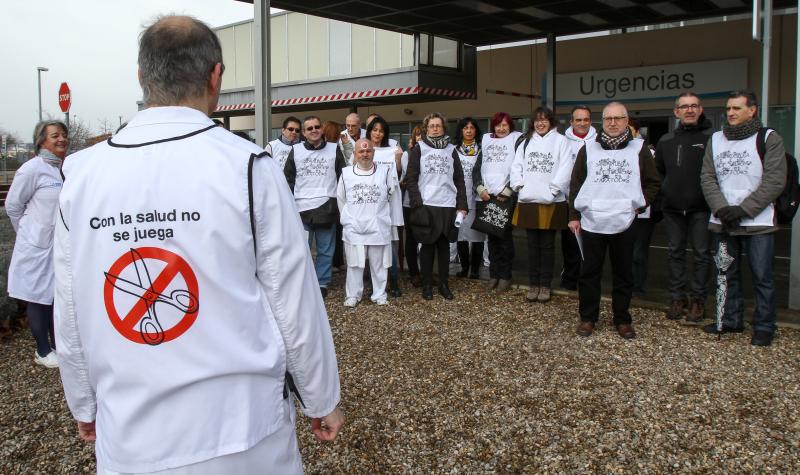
pixel 175 264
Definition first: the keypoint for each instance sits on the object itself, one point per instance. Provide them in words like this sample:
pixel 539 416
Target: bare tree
pixel 79 134
pixel 106 127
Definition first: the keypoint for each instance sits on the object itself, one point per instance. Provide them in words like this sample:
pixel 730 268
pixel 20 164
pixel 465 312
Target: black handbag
pixel 494 216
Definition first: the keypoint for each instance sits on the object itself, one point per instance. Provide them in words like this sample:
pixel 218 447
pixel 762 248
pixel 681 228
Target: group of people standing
pixel 259 314
pixel 602 190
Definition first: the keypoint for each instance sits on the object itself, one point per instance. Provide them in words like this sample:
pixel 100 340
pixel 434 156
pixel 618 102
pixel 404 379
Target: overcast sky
pixel 90 44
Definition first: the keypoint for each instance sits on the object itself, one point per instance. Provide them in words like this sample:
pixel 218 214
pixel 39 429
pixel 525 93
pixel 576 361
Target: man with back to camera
pixel 740 187
pixel 279 148
pixel 579 132
pixel 312 171
pixel 185 313
pixel 613 179
pixel 679 159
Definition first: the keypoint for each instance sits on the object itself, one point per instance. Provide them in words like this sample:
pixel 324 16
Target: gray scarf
pixel 741 131
pixel 614 142
pixel 439 142
pixel 49 157
pixel 286 141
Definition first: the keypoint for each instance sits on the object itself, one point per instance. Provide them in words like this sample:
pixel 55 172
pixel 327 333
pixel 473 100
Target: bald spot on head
pixel 352 117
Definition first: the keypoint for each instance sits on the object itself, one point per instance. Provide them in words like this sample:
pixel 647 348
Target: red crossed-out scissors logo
pixel 141 323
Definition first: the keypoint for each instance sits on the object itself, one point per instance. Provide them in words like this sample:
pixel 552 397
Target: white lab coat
pixel 32 205
pixel 216 388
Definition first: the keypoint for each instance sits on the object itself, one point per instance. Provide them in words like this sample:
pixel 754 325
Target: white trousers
pixel 354 285
pixel 276 453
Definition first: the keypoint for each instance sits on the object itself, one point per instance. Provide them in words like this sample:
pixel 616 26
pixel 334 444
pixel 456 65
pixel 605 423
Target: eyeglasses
pixel 293 129
pixel 313 127
pixel 685 107
pixel 615 118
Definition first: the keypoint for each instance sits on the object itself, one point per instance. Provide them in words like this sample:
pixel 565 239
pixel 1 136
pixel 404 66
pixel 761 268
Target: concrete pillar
pixel 549 98
pixel 794 253
pixel 261 70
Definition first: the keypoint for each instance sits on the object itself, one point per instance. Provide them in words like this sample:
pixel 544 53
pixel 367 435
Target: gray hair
pixel 686 94
pixel 434 115
pixel 176 57
pixel 40 132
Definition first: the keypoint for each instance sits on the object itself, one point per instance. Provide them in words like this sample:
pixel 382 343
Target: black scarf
pixel 742 131
pixel 614 142
pixel 438 142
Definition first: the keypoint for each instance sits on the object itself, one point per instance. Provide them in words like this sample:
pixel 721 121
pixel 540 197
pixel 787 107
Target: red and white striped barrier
pixel 515 94
pixel 349 96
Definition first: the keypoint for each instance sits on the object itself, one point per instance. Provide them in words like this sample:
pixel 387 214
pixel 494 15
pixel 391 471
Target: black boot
pixel 444 291
pixel 427 292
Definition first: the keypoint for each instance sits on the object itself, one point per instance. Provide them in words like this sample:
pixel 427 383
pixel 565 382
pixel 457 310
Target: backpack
pixel 787 202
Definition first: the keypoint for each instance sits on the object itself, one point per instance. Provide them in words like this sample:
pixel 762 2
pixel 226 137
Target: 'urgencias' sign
pixel 652 82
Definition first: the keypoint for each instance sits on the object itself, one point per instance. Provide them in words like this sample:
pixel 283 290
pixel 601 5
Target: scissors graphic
pixel 149 327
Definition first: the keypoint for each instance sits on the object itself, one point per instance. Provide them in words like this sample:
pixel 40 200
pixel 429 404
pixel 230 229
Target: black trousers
pixel 40 321
pixel 572 258
pixel 620 248
pixel 501 256
pixel 441 250
pixel 410 245
pixel 470 255
pixel 338 253
pixel 541 257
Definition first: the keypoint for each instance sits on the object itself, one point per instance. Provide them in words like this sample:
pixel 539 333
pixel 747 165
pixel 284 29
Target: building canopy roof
pixel 482 23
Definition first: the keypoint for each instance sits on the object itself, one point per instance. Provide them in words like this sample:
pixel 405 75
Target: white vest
pixel 280 151
pixel 214 384
pixel 497 156
pixel 612 191
pixel 316 171
pixel 385 156
pixel 436 176
pixel 467 164
pixel 535 167
pixel 366 215
pixel 739 170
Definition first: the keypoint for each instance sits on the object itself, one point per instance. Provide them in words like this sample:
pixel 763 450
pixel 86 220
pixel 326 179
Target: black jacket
pixel 679 159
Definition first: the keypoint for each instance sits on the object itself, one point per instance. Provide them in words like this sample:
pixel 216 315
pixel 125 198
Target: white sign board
pixel 652 83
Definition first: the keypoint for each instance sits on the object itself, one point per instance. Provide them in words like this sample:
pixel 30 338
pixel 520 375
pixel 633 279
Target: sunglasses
pixel 293 129
pixel 313 127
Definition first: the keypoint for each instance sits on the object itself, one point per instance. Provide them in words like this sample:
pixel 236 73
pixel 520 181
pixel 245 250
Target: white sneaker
pixel 49 361
pixel 382 301
pixel 351 302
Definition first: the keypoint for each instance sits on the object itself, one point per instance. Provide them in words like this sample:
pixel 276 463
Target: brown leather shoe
pixel 626 331
pixel 503 285
pixel 676 309
pixel 585 328
pixel 697 313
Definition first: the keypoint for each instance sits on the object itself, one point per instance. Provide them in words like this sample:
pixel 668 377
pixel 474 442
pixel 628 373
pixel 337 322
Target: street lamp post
pixel 39 70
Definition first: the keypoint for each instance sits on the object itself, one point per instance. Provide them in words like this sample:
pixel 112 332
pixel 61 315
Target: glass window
pixel 339 34
pixel 445 53
pixel 423 50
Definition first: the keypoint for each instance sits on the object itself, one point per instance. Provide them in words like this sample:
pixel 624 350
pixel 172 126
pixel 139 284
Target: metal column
pixel 549 98
pixel 261 70
pixel 794 252
pixel 766 43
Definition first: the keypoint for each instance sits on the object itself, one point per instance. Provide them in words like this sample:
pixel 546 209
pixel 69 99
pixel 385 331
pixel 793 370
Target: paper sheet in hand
pixel 579 238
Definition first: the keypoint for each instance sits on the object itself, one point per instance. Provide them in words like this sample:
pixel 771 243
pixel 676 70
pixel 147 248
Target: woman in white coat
pixel 540 161
pixel 32 205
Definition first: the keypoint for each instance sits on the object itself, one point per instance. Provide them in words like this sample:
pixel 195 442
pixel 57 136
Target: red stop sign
pixel 64 97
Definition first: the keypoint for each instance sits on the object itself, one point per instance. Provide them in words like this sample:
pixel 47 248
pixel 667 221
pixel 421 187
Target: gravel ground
pixel 488 383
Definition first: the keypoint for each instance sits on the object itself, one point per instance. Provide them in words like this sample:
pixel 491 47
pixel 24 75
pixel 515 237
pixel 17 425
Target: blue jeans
pixel 760 250
pixel 325 238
